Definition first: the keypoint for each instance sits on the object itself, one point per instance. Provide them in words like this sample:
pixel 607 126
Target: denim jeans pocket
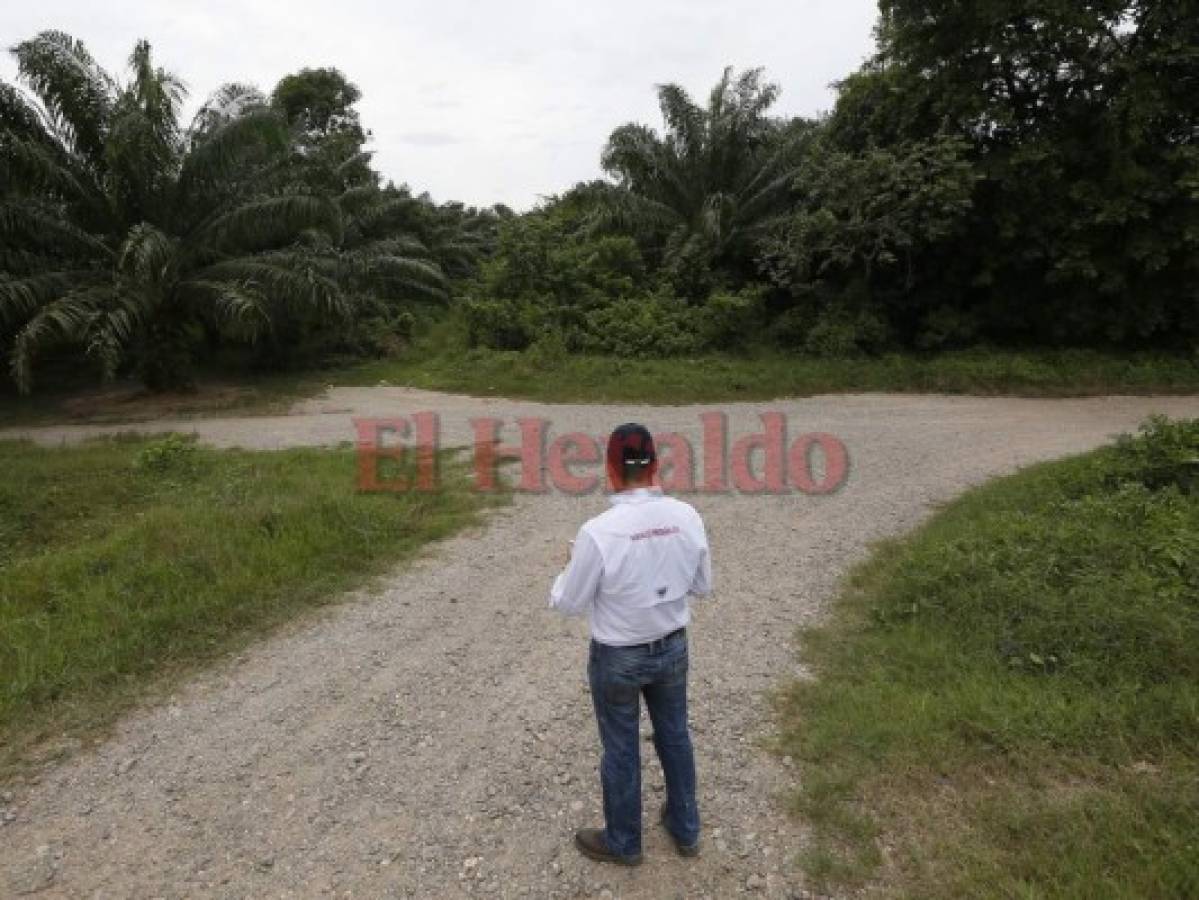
pixel 674 668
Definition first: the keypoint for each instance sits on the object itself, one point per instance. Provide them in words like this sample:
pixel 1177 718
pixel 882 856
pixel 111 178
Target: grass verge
pixel 125 562
pixel 440 365
pixel 1006 703
pixel 80 401
pixel 440 361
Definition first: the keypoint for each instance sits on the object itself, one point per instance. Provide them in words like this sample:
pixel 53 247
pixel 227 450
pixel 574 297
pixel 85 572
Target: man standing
pixel 631 570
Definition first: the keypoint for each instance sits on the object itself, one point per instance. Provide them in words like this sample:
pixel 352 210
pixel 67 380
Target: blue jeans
pixel 619 677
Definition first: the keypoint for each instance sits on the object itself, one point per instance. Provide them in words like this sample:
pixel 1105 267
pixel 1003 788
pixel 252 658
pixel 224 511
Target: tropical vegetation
pixel 1006 703
pixel 1017 177
pixel 139 243
pixel 127 562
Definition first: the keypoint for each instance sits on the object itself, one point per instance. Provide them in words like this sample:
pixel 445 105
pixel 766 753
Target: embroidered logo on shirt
pixel 655 532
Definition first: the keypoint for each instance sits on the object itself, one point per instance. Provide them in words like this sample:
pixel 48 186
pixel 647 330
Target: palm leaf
pixel 266 223
pixel 239 309
pixel 20 298
pixel 75 91
pixel 218 151
pixel 146 254
pixel 287 284
pixel 67 319
pixel 31 166
pixel 30 222
pixel 19 117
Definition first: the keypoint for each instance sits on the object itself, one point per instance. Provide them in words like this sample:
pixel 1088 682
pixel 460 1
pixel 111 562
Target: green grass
pixel 1006 703
pixel 80 399
pixel 126 562
pixel 437 363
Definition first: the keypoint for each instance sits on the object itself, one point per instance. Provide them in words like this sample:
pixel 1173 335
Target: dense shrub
pixel 500 324
pixel 540 257
pixel 1165 454
pixel 652 325
pixel 1023 670
pixel 730 320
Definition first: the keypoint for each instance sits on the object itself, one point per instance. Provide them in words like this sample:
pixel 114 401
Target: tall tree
pixel 1083 118
pixel 703 193
pixel 319 104
pixel 125 233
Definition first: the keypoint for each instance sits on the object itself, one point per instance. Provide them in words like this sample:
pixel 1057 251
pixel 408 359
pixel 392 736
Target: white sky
pixel 479 101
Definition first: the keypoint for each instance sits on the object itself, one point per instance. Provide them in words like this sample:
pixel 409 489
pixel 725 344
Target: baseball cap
pixel 631 445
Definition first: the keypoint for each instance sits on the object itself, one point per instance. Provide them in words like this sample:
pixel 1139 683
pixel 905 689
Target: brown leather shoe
pixel 591 843
pixel 684 849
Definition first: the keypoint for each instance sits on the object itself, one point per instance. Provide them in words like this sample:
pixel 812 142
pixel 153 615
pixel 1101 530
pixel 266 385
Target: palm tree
pixel 705 191
pixel 127 235
pixel 456 236
pixel 382 252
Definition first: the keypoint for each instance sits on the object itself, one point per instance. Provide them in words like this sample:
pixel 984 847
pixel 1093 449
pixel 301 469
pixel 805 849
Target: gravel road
pixel 432 736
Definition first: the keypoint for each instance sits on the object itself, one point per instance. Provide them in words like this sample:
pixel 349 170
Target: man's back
pixel 633 567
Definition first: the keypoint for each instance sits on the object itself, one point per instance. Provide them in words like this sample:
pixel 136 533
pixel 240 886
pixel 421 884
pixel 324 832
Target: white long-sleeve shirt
pixel 633 568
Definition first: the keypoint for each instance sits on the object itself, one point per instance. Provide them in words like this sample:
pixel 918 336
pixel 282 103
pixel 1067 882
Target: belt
pixel 659 643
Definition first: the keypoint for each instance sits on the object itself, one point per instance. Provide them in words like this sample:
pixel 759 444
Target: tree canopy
pixel 995 173
pixel 141 240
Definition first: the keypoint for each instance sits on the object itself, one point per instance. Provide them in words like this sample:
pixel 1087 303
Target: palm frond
pixel 398 245
pixel 218 151
pixel 407 274
pixel 267 222
pixel 684 120
pixel 225 105
pixel 20 298
pixel 356 199
pixel 146 254
pixel 75 91
pixel 31 166
pixel 19 117
pixel 289 285
pixel 30 222
pixel 620 210
pixel 67 319
pixel 238 307
pixel 159 94
pixel 631 155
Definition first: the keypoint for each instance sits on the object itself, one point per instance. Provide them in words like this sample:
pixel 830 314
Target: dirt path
pixel 434 738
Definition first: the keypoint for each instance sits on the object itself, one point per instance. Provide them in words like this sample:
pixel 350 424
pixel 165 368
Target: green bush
pixel 1007 697
pixel 1164 454
pixel 730 320
pixel 501 324
pixel 547 353
pixel 544 260
pixel 839 331
pixel 653 325
pixel 947 327
pixel 173 453
pixel 379 328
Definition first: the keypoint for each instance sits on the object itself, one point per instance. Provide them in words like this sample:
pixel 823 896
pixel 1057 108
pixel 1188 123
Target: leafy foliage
pixel 146 244
pixel 1081 119
pixel 1020 173
pixel 130 236
pixel 850 252
pixel 997 173
pixel 1023 666
pixel 700 195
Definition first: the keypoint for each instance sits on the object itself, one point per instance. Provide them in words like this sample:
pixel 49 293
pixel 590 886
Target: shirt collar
pixel 637 495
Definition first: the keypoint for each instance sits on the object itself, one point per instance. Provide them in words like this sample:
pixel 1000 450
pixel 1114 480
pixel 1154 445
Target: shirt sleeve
pixel 701 585
pixel 575 588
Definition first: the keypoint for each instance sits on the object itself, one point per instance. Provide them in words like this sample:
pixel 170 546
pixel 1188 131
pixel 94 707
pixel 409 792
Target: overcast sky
pixel 479 101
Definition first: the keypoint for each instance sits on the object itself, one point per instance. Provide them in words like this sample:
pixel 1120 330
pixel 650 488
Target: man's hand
pixel 570 546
